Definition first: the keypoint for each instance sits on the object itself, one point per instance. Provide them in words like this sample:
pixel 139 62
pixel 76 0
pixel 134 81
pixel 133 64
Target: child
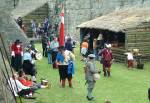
pixel 129 58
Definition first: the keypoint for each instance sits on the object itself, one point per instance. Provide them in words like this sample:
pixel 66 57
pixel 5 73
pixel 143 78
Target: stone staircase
pixel 38 15
pixel 31 10
pixel 25 7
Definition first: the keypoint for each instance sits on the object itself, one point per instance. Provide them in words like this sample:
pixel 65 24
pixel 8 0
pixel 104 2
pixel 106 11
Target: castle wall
pixel 78 11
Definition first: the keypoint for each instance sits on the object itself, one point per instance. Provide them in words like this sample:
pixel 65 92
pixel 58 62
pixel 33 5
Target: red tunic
pixel 16 48
pixel 107 55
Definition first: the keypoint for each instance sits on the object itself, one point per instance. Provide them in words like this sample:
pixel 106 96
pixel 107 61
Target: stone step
pixel 31 10
pixel 38 15
pixel 25 7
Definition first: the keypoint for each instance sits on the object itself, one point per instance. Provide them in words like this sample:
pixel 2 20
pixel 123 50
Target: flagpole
pixel 66 11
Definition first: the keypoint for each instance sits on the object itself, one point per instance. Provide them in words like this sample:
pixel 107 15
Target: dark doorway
pixel 117 39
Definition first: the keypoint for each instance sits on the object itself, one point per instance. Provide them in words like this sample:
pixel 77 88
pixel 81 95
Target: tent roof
pixel 119 20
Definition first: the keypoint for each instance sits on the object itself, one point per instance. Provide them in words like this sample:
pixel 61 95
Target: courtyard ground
pixel 124 86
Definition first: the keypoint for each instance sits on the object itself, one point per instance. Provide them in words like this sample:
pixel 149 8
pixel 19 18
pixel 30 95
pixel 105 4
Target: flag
pixel 61 32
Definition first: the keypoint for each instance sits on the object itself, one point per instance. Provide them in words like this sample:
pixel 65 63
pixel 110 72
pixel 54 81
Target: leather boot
pixel 70 83
pixel 89 95
pixel 108 72
pixel 105 74
pixel 63 83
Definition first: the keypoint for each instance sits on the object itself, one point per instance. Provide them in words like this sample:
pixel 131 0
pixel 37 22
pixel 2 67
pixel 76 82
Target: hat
pixel 17 41
pixel 108 45
pixel 31 41
pixel 91 55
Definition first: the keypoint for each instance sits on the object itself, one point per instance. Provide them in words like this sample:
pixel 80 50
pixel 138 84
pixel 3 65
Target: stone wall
pixel 38 15
pixel 5 94
pixel 78 11
pixel 4 5
pixel 10 31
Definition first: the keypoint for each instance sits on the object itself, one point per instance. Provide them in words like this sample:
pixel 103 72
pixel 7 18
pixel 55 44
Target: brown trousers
pixel 130 63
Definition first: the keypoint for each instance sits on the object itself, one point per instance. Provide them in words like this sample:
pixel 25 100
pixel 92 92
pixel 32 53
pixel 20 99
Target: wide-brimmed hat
pixel 91 55
pixel 18 41
pixel 108 45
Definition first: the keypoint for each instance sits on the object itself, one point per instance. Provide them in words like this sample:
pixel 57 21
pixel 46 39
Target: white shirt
pixel 19 85
pixel 69 56
pixel 129 56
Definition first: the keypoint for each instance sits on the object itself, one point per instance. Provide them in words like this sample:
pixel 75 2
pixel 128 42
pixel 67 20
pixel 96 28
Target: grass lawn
pixel 124 86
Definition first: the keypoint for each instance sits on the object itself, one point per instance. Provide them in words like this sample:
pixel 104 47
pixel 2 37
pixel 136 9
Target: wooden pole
pixel 3 89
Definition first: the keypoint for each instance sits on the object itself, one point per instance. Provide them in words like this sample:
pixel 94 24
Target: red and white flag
pixel 61 32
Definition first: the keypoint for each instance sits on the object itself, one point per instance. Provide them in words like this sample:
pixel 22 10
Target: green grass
pixel 124 86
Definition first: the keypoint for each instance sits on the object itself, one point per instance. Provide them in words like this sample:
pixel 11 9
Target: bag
pixel 38 56
pixel 140 66
pixel 96 76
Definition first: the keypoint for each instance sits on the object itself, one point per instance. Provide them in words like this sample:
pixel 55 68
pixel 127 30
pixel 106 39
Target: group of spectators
pixel 105 57
pixel 23 81
pixel 23 60
pixel 61 57
pixel 23 86
pixel 38 29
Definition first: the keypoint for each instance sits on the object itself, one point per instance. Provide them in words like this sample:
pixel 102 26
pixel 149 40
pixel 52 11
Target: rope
pixel 8 86
pixel 5 67
pixel 4 94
